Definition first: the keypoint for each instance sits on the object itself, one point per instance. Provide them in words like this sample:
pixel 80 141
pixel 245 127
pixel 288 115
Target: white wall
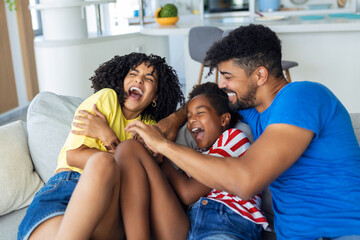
pixel 328 58
pixel 64 67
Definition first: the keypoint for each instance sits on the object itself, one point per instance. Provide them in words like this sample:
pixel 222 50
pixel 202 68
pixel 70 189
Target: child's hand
pixel 95 126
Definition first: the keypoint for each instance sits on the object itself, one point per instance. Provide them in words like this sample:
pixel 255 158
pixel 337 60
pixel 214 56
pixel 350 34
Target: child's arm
pixel 188 189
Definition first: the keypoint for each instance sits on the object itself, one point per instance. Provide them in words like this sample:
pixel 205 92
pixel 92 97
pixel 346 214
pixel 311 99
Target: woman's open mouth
pixel 135 93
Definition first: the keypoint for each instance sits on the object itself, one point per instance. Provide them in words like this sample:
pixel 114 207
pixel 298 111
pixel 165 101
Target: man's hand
pixel 170 125
pixel 169 130
pixel 151 135
pixel 141 140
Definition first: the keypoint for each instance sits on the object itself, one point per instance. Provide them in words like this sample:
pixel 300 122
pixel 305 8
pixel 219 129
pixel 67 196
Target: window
pixel 113 16
pixel 35 18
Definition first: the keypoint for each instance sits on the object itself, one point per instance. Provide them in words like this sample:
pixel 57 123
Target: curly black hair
pixel 250 47
pixel 217 98
pixel 112 73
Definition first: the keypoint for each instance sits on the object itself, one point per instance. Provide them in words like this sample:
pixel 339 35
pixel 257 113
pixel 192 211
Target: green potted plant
pixel 11 4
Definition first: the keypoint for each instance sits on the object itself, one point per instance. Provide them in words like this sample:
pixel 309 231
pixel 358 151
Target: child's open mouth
pixel 135 93
pixel 197 133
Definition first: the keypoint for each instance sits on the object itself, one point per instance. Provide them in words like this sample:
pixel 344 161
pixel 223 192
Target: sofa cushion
pixel 355 119
pixel 9 224
pixel 18 181
pixel 49 122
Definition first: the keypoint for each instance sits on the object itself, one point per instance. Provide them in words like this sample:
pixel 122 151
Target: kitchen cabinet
pixel 287 8
pixel 311 7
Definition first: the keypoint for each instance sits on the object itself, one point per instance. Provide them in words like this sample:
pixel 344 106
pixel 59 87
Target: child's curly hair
pixel 217 98
pixel 112 73
pixel 250 47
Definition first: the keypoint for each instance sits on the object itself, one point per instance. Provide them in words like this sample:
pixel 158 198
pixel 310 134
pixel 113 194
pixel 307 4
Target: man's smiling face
pixel 239 86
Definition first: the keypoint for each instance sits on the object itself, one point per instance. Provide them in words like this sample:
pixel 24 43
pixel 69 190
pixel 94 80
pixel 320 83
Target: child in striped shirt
pixel 215 214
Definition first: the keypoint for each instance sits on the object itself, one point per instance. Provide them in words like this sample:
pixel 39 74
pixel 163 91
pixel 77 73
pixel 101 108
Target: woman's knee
pixel 102 164
pixel 126 150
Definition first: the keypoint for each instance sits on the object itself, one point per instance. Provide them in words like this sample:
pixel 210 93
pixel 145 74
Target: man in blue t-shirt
pixel 305 147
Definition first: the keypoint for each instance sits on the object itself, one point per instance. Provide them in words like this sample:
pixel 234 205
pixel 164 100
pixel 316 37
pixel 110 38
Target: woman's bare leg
pixel 93 210
pixel 97 189
pixel 168 219
pixel 47 230
pixel 134 197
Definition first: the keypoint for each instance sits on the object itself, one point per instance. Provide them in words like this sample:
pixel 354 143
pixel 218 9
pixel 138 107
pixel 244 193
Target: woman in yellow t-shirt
pixel 82 199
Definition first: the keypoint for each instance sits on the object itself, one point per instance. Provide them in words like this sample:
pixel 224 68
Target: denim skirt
pixel 50 201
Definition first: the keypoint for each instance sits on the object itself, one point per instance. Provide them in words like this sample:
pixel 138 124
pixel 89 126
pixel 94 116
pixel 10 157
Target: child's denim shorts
pixel 50 201
pixel 212 220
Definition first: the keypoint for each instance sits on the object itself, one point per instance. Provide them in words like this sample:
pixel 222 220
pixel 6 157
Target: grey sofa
pixel 48 123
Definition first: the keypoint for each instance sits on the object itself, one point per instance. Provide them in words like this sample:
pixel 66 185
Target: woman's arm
pixel 95 126
pixel 79 156
pixel 188 189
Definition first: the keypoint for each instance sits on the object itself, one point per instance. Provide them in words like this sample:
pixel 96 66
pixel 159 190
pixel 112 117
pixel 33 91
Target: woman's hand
pixel 95 126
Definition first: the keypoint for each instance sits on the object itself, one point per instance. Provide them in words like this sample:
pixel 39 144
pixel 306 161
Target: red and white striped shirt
pixel 234 143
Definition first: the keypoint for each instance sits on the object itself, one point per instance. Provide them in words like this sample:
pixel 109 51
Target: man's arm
pixel 271 154
pixel 170 125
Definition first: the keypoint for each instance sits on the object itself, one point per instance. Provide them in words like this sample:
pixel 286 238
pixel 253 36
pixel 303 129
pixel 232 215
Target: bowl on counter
pixel 167 20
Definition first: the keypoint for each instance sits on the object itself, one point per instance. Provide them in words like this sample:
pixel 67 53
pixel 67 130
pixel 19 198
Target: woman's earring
pixel 153 104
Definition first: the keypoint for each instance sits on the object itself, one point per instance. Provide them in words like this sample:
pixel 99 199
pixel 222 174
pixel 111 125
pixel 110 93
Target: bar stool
pixel 200 40
pixel 286 65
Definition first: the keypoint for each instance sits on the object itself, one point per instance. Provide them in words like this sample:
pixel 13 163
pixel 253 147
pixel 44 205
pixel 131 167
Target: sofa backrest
pixel 48 123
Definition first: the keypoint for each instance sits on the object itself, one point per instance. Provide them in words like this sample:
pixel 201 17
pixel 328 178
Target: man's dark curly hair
pixel 250 47
pixel 112 73
pixel 217 98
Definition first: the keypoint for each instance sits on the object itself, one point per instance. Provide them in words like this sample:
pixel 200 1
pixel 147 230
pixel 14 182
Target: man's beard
pixel 248 101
